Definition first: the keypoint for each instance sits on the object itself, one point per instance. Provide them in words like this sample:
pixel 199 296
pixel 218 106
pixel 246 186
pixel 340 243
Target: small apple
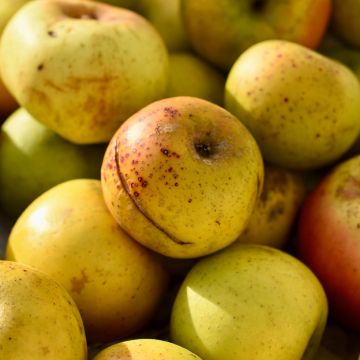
pixel 69 234
pixel 182 176
pixel 189 75
pixel 328 239
pixel 82 67
pixel 38 318
pixel 220 30
pixel 33 159
pixel 249 302
pixel 302 107
pixel 273 218
pixel 166 16
pixel 145 349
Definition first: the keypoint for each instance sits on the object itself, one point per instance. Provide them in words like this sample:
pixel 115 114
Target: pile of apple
pixel 180 179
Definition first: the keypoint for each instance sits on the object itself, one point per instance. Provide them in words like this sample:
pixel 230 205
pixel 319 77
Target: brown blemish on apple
pixel 52 33
pixel 40 67
pixel 350 189
pixel 78 284
pixel 170 111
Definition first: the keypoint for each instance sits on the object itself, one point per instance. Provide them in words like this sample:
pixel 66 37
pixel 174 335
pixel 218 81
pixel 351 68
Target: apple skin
pixel 32 159
pixel 189 75
pixel 69 234
pixel 302 107
pixel 182 176
pixel 276 210
pixel 83 67
pixel 145 349
pixel 249 302
pixel 220 30
pixel 328 239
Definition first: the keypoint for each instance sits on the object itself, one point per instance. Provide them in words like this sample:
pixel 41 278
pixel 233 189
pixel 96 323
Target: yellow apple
pixel 182 176
pixel 145 349
pixel 38 320
pixel 249 302
pixel 69 234
pixel 82 67
pixel 302 107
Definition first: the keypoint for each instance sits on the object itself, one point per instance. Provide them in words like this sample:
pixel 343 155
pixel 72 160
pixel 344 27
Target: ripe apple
pixel 145 349
pixel 345 20
pixel 302 107
pixel 82 67
pixel 249 302
pixel 220 30
pixel 33 158
pixel 166 16
pixel 273 218
pixel 39 320
pixel 182 176
pixel 189 75
pixel 328 239
pixel 69 234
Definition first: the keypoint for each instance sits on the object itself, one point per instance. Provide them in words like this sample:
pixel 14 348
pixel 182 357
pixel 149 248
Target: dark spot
pixel 189 201
pixel 217 222
pixel 166 152
pixel 40 67
pixel 276 210
pixel 169 111
pixel 286 99
pixel 136 194
pixel 204 150
pixel 176 184
pixel 258 5
pixel 170 169
pixel 144 184
pixel 78 284
pixel 52 33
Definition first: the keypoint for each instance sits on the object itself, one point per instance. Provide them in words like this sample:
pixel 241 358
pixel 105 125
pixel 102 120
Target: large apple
pixel 82 67
pixel 302 107
pixel 249 302
pixel 220 30
pixel 328 239
pixel 69 234
pixel 182 177
pixel 33 158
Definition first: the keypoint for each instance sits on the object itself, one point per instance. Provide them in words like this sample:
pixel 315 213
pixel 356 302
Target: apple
pixel 275 213
pixel 302 107
pixel 345 21
pixel 39 320
pixel 33 158
pixel 69 234
pixel 189 75
pixel 145 349
pixel 182 176
pixel 166 16
pixel 82 67
pixel 220 30
pixel 328 239
pixel 249 302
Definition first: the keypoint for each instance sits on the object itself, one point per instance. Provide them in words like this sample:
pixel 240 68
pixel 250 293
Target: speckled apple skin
pixel 328 239
pixel 168 196
pixel 302 108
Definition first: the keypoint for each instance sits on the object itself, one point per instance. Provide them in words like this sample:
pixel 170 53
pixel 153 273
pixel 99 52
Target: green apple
pixel 249 302
pixel 220 30
pixel 69 234
pixel 275 213
pixel 82 67
pixel 302 107
pixel 182 177
pixel 345 20
pixel 191 76
pixel 33 159
pixel 166 16
pixel 39 320
pixel 145 349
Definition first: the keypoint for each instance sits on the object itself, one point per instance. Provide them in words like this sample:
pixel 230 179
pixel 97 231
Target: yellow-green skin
pixel 145 349
pixel 172 198
pixel 302 107
pixel 82 67
pixel 249 302
pixel 189 75
pixel 39 320
pixel 69 234
pixel 275 212
pixel 33 158
pixel 7 9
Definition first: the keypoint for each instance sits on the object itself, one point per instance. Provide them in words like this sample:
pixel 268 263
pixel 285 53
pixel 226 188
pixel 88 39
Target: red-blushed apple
pixel 182 177
pixel 220 30
pixel 82 67
pixel 328 239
